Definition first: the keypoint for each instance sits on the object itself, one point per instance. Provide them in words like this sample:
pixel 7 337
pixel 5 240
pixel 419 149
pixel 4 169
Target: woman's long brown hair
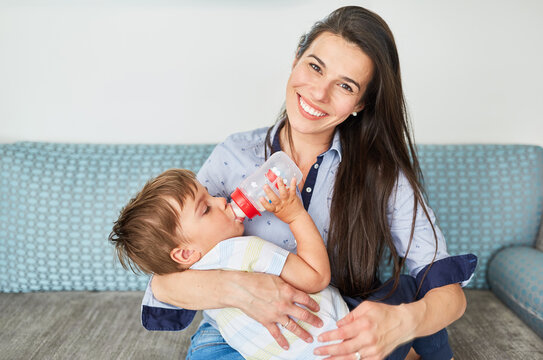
pixel 376 146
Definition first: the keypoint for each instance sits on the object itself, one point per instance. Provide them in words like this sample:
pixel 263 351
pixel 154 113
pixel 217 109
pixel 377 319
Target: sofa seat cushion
pixel 515 275
pixel 490 330
pixel 106 325
pixel 83 325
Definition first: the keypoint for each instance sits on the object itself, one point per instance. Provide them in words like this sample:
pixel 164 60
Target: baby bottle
pixel 245 199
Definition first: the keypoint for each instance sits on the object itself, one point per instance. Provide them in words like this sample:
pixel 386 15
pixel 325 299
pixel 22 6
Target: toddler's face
pixel 208 220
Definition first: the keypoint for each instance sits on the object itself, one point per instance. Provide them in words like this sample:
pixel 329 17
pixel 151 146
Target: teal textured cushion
pixel 515 275
pixel 539 242
pixel 58 203
pixel 486 197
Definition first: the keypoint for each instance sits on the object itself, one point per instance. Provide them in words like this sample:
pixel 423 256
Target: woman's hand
pixel 271 301
pixel 373 330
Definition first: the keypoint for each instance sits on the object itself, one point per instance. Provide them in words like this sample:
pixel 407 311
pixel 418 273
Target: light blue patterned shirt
pixel 240 154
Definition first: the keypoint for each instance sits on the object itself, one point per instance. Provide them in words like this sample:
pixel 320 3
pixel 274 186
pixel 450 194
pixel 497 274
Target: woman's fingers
pixel 305 316
pixel 346 331
pixel 297 330
pixel 275 301
pixel 346 347
pixel 276 333
pixel 297 313
pixel 373 330
pixel 302 298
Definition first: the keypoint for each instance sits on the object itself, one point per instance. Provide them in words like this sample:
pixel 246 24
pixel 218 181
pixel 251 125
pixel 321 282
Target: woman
pixel 345 126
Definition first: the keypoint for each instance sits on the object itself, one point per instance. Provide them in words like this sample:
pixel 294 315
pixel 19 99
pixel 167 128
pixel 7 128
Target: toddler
pixel 173 224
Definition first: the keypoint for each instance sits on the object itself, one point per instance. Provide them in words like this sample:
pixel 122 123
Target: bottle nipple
pixel 237 211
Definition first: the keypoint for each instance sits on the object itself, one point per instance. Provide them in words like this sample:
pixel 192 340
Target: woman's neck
pixel 304 148
pixel 304 145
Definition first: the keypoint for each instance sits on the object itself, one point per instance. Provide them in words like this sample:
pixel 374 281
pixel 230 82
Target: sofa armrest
pixel 515 275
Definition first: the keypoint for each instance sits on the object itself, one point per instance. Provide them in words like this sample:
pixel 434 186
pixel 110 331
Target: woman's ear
pixel 359 107
pixel 185 256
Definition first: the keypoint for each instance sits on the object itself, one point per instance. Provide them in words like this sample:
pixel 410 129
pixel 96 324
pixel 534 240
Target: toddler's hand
pixel 287 206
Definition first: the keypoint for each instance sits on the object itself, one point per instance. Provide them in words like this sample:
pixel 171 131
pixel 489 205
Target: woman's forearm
pixel 198 289
pixel 439 308
pixel 265 298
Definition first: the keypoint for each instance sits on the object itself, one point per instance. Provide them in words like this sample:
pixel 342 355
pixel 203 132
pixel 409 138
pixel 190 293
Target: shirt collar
pixel 335 145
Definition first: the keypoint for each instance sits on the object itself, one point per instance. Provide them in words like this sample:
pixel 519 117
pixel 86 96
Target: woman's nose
pixel 320 91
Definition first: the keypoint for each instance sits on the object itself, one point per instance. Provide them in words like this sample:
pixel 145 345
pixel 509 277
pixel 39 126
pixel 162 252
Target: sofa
pixel 64 295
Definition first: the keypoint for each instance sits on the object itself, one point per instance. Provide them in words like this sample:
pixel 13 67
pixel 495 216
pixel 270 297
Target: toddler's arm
pixel 309 269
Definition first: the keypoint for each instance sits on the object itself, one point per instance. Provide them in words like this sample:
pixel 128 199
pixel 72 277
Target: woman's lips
pixel 308 110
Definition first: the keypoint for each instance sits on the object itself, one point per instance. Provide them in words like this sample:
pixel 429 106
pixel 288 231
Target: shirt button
pixel 308 189
pixel 316 166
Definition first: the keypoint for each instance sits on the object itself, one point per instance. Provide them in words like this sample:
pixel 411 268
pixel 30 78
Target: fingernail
pixel 285 347
pixel 309 340
pixel 317 352
pixel 321 324
pixel 321 339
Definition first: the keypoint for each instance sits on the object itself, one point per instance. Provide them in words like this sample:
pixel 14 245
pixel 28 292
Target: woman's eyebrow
pixel 323 65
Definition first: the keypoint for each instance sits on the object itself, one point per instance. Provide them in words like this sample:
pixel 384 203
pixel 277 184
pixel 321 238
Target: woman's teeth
pixel 309 109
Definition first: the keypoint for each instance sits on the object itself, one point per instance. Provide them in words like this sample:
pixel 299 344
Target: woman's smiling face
pixel 326 85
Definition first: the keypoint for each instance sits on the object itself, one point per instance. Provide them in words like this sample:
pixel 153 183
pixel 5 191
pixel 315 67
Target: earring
pixel 355 113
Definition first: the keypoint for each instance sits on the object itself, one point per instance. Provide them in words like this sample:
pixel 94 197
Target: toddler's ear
pixel 185 256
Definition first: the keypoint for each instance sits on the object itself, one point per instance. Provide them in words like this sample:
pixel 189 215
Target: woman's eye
pixel 315 67
pixel 206 210
pixel 346 87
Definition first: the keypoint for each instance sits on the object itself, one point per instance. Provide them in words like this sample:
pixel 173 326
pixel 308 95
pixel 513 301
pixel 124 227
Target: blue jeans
pixel 207 342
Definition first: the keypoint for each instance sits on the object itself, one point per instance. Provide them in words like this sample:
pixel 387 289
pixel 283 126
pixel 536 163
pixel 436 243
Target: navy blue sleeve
pixel 159 316
pixel 161 319
pixel 451 270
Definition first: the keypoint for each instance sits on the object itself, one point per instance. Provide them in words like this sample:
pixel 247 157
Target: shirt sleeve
pixel 245 253
pixel 445 269
pixel 159 316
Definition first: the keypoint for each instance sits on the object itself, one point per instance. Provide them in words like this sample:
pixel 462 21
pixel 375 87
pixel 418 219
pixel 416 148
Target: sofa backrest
pixel 486 197
pixel 58 203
